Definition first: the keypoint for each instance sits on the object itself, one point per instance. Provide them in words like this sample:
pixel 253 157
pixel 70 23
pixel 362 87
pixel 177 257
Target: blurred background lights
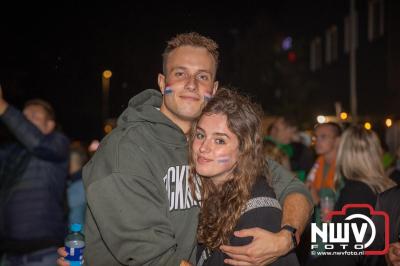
pixel 343 115
pixel 107 128
pixel 388 122
pixel 367 125
pixel 287 43
pixel 94 145
pixel 107 74
pixel 321 119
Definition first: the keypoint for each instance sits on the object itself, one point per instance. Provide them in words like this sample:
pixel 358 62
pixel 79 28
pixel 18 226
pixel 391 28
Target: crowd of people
pixel 188 177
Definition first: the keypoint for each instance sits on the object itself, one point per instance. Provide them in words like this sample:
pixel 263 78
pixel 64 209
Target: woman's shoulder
pixel 356 192
pixel 357 186
pixel 391 193
pixel 262 196
pixel 262 188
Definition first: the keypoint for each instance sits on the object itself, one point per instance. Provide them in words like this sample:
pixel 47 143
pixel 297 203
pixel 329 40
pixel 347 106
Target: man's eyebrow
pixel 198 71
pixel 204 70
pixel 179 67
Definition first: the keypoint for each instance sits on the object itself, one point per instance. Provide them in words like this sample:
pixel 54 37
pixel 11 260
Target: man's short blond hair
pixel 191 39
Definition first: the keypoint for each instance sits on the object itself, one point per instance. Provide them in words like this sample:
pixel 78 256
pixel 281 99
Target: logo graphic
pixel 352 233
pixel 177 185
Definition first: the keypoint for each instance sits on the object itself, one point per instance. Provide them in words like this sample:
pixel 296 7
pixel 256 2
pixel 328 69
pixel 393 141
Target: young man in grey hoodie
pixel 140 210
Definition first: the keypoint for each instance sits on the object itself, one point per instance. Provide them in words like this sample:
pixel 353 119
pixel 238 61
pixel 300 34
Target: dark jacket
pixel 263 211
pixel 388 201
pixel 395 176
pixel 32 192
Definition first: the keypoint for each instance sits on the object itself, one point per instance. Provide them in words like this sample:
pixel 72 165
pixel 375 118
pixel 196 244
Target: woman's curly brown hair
pixel 221 207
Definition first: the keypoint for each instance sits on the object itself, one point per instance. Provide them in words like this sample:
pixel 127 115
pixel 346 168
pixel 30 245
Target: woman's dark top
pixel 263 211
pixel 355 192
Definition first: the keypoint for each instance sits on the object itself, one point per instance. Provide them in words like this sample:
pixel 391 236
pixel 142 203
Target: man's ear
pixel 50 126
pixel 215 88
pixel 161 82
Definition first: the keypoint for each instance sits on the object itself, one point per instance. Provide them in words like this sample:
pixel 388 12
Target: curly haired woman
pixel 229 176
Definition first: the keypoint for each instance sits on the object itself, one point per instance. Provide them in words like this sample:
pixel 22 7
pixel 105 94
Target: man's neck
pixel 330 157
pixel 184 125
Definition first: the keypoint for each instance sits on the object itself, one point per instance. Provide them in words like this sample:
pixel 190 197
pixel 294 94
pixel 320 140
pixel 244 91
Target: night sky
pixel 58 53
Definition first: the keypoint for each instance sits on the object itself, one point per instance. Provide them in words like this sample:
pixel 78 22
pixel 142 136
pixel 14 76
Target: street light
pixel 367 125
pixel 388 122
pixel 343 115
pixel 105 83
pixel 353 62
pixel 107 74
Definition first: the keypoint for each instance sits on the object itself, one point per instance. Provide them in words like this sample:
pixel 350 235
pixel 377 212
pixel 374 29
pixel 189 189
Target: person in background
pixel 303 155
pixel 75 191
pixel 320 180
pixel 360 175
pixel 283 132
pixel 394 170
pixel 272 151
pixel 392 151
pixel 387 201
pixel 33 174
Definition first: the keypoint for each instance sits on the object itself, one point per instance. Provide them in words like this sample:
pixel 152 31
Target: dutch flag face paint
pixel 207 97
pixel 168 90
pixel 223 159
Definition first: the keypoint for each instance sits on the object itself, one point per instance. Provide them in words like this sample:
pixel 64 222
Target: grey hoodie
pixel 140 210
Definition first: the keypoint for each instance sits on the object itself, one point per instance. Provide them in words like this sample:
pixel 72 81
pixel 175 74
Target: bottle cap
pixel 76 227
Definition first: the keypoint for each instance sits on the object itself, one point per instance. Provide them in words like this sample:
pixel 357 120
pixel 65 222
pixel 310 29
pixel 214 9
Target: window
pixel 375 19
pixel 331 46
pixel 328 46
pixel 347 33
pixel 334 34
pixel 315 54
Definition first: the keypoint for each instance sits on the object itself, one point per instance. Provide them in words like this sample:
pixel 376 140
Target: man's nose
pixel 191 83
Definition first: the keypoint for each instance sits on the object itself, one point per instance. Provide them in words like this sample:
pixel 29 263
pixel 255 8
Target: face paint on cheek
pixel 168 90
pixel 223 159
pixel 207 97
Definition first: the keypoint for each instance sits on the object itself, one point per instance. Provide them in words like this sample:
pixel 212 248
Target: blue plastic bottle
pixel 74 245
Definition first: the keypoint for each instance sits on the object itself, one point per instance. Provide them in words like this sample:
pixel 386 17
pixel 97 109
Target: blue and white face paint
pixel 207 97
pixel 223 159
pixel 168 90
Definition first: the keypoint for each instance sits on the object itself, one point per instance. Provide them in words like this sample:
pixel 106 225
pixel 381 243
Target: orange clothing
pixel 317 177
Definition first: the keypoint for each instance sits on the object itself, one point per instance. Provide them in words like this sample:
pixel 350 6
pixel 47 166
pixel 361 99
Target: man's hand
pixel 3 103
pixel 185 263
pixel 393 257
pixel 265 248
pixel 61 261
